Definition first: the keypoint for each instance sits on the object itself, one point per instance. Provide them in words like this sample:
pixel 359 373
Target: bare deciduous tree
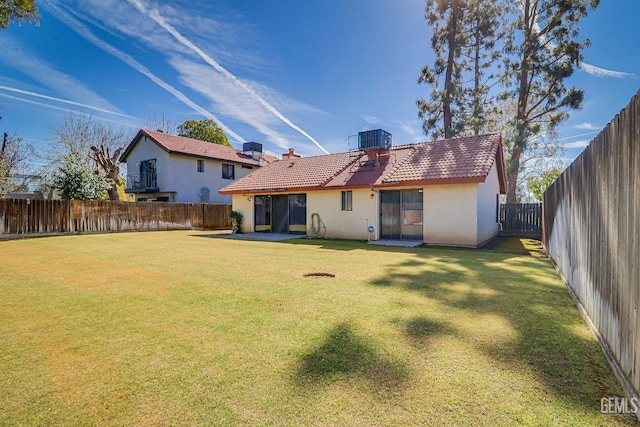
pixel 163 124
pixel 14 155
pixel 91 141
pixel 110 164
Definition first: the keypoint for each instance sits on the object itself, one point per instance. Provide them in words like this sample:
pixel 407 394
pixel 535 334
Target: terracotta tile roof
pixel 467 159
pixel 303 172
pixel 191 147
pixel 370 170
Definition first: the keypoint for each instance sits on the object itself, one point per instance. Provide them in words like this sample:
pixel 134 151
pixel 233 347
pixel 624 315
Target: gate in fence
pixel 521 219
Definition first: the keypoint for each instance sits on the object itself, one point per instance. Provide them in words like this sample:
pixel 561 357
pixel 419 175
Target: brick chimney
pixel 290 155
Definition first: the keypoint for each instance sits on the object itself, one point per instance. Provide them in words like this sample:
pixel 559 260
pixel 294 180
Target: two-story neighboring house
pixel 169 168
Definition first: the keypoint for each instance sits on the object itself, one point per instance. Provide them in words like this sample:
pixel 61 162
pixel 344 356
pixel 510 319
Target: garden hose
pixel 317 226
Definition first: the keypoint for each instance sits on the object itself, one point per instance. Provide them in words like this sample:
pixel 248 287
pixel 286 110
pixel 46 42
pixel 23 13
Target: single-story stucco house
pixel 169 168
pixel 441 192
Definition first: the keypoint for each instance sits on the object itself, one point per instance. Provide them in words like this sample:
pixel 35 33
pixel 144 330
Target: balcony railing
pixel 142 182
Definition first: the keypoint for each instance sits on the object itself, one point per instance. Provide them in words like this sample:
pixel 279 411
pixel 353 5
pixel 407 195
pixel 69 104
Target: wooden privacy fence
pixel 592 233
pixel 73 216
pixel 521 219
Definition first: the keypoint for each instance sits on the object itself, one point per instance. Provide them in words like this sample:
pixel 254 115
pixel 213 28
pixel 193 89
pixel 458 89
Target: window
pixel 200 165
pixel 228 171
pixel 148 177
pixel 347 201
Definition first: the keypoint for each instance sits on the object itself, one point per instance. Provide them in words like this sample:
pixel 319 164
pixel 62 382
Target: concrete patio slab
pixel 264 237
pixel 398 243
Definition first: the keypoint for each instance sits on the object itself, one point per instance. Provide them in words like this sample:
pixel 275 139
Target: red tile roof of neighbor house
pixel 449 161
pixel 193 147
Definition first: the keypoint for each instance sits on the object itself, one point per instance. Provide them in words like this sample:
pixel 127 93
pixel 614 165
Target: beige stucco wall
pixel 344 224
pixel 488 226
pixel 453 214
pixel 245 207
pixel 450 214
pixel 327 204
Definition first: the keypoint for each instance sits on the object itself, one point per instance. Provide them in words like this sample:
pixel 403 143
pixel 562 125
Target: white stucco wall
pixel 179 174
pixel 487 199
pixel 187 182
pixel 145 149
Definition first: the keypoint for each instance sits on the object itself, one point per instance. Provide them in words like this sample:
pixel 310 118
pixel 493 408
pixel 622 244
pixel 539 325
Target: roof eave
pixel 132 143
pixel 502 175
pixel 433 181
pixel 440 181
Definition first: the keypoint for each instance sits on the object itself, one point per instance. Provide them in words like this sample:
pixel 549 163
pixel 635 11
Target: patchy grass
pixel 516 245
pixel 171 328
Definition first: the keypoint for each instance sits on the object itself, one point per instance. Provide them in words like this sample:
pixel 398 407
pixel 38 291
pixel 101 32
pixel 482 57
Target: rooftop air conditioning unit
pixel 374 139
pixel 253 149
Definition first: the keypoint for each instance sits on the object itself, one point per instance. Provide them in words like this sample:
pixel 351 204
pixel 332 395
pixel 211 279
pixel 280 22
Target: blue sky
pixel 284 73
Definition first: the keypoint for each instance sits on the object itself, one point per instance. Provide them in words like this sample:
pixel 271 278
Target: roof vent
pixel 374 139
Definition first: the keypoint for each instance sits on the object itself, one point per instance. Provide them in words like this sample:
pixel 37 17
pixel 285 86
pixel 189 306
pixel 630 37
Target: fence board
pixel 28 217
pixel 591 231
pixel 521 219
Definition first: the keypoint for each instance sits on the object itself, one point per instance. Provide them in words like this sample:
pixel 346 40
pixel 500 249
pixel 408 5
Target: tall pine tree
pixel 464 41
pixel 443 113
pixel 483 26
pixel 541 52
pixel 538 41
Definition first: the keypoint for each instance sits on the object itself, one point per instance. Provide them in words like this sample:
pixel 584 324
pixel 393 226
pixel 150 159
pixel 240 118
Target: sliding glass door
pixel 281 213
pixel 401 215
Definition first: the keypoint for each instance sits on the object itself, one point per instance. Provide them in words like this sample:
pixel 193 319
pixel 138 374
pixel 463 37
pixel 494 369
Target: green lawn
pixel 178 328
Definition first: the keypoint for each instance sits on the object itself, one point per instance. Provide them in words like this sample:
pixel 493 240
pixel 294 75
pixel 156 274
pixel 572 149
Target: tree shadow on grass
pixel 344 355
pixel 422 329
pixel 525 292
pixel 515 245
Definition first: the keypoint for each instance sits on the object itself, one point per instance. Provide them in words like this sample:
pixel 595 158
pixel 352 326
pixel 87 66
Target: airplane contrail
pixel 64 101
pixel 68 110
pixel 42 104
pixel 588 68
pixel 155 15
pixel 127 59
pixel 603 72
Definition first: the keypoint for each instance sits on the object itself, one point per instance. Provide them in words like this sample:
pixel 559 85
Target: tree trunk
pixel 446 99
pixel 476 85
pixel 520 141
pixel 113 191
pixel 113 194
pixel 111 167
pixel 4 146
pixel 513 170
